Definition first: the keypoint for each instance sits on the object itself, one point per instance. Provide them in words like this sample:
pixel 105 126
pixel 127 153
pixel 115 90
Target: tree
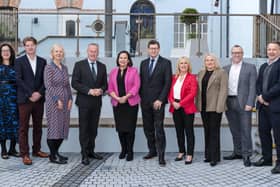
pixel 187 19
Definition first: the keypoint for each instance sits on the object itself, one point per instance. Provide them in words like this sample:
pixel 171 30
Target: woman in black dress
pixel 124 84
pixel 8 102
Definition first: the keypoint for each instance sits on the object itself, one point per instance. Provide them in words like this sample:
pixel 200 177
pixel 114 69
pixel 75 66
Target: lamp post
pixel 139 21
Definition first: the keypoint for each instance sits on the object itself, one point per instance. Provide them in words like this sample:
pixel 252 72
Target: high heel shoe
pixel 179 158
pixel 188 161
pixel 4 156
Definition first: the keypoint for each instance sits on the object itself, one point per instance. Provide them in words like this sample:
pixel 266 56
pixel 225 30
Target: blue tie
pixel 151 67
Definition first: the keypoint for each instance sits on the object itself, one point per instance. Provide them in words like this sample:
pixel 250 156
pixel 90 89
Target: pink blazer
pixel 132 85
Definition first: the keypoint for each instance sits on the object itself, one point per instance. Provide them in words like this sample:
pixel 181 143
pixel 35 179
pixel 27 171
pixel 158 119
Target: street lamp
pixel 139 21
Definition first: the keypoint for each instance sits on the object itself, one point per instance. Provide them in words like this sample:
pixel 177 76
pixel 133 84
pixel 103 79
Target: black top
pixel 205 80
pixel 120 82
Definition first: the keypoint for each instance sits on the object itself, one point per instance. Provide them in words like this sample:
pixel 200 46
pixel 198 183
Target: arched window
pixel 70 28
pixel 141 26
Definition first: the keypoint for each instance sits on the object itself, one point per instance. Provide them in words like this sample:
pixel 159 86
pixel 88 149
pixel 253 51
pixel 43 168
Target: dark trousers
pixel 12 146
pixel 269 120
pixel 26 110
pixel 212 123
pixel 153 128
pixel 127 141
pixel 240 124
pixel 88 124
pixel 184 127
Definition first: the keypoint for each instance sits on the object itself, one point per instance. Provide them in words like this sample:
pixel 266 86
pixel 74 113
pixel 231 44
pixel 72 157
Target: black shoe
pixel 276 169
pixel 61 157
pixel 213 163
pixel 262 162
pixel 95 156
pixel 5 156
pixel 246 161
pixel 122 155
pixel 85 161
pixel 188 162
pixel 14 153
pixel 206 160
pixel 57 161
pixel 129 157
pixel 232 157
pixel 162 162
pixel 149 156
pixel 180 158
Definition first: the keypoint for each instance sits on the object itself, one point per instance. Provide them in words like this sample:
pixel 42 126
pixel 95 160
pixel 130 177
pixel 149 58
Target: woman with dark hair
pixel 8 102
pixel 124 84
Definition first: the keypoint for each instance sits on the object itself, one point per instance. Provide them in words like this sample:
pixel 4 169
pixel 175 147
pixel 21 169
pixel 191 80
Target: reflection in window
pixel 70 28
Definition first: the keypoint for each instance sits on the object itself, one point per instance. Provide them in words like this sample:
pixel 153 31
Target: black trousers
pixel 212 123
pixel 184 127
pixel 153 128
pixel 127 141
pixel 269 120
pixel 88 124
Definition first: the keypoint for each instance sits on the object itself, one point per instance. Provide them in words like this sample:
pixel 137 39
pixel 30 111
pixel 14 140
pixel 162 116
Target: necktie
pixel 93 71
pixel 151 67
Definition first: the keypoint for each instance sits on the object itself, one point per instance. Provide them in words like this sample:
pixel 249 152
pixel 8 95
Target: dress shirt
pixel 155 62
pixel 177 87
pixel 234 78
pixel 94 65
pixel 33 63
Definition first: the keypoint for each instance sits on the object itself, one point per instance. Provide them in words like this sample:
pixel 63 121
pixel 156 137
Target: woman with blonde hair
pixel 211 102
pixel 58 103
pixel 182 105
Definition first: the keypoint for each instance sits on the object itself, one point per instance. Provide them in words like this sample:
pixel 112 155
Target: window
pixel 70 28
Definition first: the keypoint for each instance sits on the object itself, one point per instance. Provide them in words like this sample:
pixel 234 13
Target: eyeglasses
pixel 153 48
pixel 236 53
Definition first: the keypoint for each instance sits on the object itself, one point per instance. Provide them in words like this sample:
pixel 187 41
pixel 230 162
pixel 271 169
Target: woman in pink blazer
pixel 124 84
pixel 182 104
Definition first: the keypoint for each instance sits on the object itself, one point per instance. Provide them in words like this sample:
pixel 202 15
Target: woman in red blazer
pixel 182 104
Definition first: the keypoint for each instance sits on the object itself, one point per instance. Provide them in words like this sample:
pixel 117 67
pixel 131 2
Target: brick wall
pixel 9 3
pixel 69 4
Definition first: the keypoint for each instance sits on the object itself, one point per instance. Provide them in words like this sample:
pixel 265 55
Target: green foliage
pixel 187 19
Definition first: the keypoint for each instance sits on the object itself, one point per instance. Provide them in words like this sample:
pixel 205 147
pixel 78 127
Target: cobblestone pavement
pixel 114 172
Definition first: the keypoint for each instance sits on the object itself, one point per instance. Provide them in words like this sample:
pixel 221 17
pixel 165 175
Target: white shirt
pixel 177 87
pixel 94 65
pixel 33 63
pixel 234 78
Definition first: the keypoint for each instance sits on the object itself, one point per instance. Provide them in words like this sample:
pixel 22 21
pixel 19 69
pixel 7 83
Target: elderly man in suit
pixel 89 78
pixel 240 102
pixel 268 96
pixel 31 90
pixel 155 74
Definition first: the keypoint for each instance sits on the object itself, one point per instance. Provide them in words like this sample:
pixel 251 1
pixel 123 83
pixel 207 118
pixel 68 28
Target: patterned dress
pixel 57 88
pixel 8 104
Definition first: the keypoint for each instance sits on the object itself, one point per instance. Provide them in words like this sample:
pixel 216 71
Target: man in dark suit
pixel 29 72
pixel 240 102
pixel 155 73
pixel 268 96
pixel 89 78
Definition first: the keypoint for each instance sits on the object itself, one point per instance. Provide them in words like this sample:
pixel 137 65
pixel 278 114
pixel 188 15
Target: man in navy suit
pixel 156 74
pixel 31 90
pixel 89 78
pixel 268 96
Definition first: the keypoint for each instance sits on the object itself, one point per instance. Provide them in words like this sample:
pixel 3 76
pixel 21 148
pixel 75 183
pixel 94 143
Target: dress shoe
pixel 122 155
pixel 5 156
pixel 180 157
pixel 57 161
pixel 14 153
pixel 40 154
pixel 149 156
pixel 246 161
pixel 213 163
pixel 61 157
pixel 162 162
pixel 233 156
pixel 206 160
pixel 85 161
pixel 26 160
pixel 262 162
pixel 129 157
pixel 95 156
pixel 188 160
pixel 276 169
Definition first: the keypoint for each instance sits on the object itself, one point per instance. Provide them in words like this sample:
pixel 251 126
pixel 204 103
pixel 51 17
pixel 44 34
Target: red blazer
pixel 188 94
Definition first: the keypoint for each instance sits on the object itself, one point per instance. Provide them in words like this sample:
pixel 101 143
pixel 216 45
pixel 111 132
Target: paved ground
pixel 114 172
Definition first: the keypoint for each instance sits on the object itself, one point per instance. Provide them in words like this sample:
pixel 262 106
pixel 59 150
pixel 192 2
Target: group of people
pixel 28 81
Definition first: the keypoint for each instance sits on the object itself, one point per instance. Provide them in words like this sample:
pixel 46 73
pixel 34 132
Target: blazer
pixel 188 94
pixel 82 81
pixel 246 91
pixel 156 86
pixel 272 95
pixel 132 85
pixel 217 91
pixel 27 82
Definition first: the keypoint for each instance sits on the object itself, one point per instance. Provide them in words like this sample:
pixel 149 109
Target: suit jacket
pixel 273 94
pixel 188 94
pixel 27 82
pixel 157 86
pixel 246 91
pixel 216 93
pixel 132 85
pixel 82 81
